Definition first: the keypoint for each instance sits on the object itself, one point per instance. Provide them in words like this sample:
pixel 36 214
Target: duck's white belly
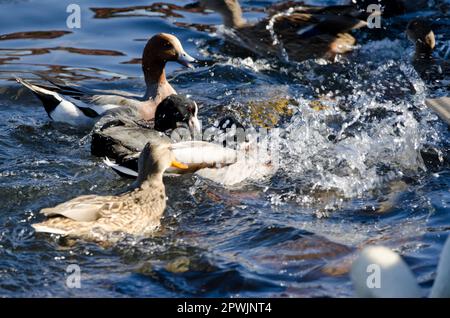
pixel 67 112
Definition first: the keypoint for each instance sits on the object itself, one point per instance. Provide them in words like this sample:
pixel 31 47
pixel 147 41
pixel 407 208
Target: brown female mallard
pixel 136 212
pixel 297 34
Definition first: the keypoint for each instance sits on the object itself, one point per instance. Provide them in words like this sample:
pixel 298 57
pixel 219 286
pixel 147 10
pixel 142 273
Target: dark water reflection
pixel 352 176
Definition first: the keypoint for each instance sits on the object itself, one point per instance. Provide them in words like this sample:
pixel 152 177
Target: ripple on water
pixel 361 161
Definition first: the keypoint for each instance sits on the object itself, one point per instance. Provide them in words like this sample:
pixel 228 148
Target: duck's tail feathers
pixel 49 99
pixel 39 228
pixel 122 171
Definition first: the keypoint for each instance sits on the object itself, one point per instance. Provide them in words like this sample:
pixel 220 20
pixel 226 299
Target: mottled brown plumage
pixel 136 212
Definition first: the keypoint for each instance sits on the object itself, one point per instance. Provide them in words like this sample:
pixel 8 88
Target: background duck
pixel 396 279
pixel 303 32
pixel 81 107
pixel 137 211
pixel 395 7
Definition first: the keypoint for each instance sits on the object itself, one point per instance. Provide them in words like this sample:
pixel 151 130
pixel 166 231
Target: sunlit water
pixel 361 161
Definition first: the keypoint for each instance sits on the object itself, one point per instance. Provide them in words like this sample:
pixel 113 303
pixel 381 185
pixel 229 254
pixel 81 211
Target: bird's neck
pixel 232 16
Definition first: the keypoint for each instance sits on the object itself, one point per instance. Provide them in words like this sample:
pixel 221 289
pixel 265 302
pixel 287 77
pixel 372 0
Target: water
pixel 363 161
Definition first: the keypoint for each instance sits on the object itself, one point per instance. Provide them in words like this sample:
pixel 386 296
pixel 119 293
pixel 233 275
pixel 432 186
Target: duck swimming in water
pixel 393 7
pixel 136 212
pixel 300 33
pixel 419 32
pixel 82 107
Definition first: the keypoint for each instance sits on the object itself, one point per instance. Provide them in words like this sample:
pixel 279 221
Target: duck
pixel 82 107
pixel 429 67
pixel 121 132
pixel 299 33
pixel 391 8
pixel 137 211
pixel 396 278
pixel 420 33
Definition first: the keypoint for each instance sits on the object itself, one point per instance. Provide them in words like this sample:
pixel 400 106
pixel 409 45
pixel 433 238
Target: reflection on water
pixel 363 161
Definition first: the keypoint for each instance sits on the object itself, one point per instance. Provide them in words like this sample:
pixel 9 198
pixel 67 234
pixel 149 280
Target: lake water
pixel 371 166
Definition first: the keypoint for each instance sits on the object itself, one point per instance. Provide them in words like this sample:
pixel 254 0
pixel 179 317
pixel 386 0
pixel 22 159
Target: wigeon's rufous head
pixel 163 48
pixel 421 34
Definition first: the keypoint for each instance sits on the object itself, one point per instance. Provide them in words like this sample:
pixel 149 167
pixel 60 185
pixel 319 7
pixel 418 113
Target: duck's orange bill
pixel 179 165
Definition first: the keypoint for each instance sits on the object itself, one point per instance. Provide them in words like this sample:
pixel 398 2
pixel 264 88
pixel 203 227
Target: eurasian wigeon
pixel 82 107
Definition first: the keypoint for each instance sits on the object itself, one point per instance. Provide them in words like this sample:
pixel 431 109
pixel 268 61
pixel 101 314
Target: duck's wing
pixel 120 141
pixel 85 208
